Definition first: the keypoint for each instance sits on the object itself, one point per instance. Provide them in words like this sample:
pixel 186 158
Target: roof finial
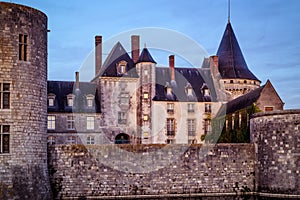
pixel 228 11
pixel 145 45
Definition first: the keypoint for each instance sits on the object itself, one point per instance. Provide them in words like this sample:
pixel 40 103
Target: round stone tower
pixel 23 101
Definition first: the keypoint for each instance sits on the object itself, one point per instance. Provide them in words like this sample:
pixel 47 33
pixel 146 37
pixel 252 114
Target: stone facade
pixel 276 136
pixel 91 171
pixel 23 68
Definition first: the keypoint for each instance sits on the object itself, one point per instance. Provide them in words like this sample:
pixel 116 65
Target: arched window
pixel 122 138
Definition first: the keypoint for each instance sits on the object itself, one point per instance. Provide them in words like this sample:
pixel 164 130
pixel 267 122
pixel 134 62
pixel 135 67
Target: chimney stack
pixel 214 64
pixel 135 47
pixel 77 80
pixel 172 67
pixel 98 54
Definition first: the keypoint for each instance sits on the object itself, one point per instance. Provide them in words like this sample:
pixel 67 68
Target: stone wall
pixel 23 169
pixel 277 139
pixel 106 170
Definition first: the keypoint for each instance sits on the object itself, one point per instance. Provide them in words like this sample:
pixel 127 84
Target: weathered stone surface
pixel 108 170
pixel 23 171
pixel 277 139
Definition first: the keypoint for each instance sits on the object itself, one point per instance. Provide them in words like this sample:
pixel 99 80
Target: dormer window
pixel 51 99
pixel 90 100
pixel 70 100
pixel 189 89
pixel 121 67
pixel 206 92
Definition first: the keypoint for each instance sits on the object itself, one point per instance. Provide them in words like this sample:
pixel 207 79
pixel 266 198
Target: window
pixel 145 72
pixel 23 44
pixel 51 140
pixel 170 141
pixel 90 123
pixel 207 108
pixel 245 81
pixel 269 108
pixel 71 140
pixel 70 122
pixel 146 135
pixel 121 67
pixel 51 122
pixel 146 95
pixel 90 100
pixel 51 99
pixel 146 117
pixel 5 95
pixel 170 127
pixel 169 91
pixel 124 99
pixel 122 118
pixel 207 126
pixel 191 127
pixel 231 81
pixel 170 108
pixel 191 107
pixel 70 100
pixel 206 92
pixel 90 140
pixel 4 138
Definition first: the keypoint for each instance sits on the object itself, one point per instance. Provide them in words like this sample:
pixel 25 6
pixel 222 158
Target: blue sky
pixel 267 30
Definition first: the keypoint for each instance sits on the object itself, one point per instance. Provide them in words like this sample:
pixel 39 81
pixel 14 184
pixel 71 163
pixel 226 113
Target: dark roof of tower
pixel 145 56
pixel 118 54
pixel 231 60
pixel 61 89
pixel 184 77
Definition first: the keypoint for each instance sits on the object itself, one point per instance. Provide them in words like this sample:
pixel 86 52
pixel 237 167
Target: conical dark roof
pixel 231 60
pixel 145 56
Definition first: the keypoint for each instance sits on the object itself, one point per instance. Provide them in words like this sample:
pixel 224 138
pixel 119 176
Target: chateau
pixel 131 100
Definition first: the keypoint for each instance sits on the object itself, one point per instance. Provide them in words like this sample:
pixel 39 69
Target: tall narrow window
pixel 70 122
pixel 170 127
pixel 4 139
pixel 51 122
pixel 207 126
pixel 90 123
pixel 23 44
pixel 146 95
pixel 122 118
pixel 5 95
pixel 191 127
pixel 90 140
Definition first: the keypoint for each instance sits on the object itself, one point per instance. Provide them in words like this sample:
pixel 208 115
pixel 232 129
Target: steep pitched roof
pixel 117 55
pixel 184 78
pixel 145 56
pixel 61 89
pixel 231 60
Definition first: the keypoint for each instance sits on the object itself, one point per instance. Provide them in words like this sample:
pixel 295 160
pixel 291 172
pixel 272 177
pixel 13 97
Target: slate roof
pixel 231 60
pixel 184 78
pixel 145 57
pixel 63 88
pixel 241 102
pixel 117 54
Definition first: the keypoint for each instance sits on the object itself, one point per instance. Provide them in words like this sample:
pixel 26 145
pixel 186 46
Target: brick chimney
pixel 77 80
pixel 135 47
pixel 214 64
pixel 172 67
pixel 98 54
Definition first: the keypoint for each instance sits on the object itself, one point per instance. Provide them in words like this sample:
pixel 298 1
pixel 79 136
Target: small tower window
pixel 231 81
pixel 146 95
pixel 4 139
pixel 5 95
pixel 145 72
pixel 146 117
pixel 23 44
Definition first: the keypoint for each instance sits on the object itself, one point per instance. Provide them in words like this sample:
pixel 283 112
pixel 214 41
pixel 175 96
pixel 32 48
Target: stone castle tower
pixel 23 97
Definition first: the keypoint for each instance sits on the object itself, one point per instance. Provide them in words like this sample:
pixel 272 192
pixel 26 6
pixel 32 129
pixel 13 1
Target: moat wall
pixel 277 139
pixel 107 170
